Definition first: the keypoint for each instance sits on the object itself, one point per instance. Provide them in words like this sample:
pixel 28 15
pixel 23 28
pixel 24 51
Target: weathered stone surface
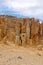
pixel 21 31
pixel 23 26
pixel 34 31
pixel 28 30
pixel 0 34
pixel 17 40
pixel 23 38
pixel 10 35
pixel 41 30
pixel 17 33
pixel 41 33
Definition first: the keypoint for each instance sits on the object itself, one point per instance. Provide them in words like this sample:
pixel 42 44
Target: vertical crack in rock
pixel 21 31
pixel 20 34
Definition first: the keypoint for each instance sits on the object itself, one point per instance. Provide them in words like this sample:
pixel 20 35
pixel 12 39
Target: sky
pixel 22 8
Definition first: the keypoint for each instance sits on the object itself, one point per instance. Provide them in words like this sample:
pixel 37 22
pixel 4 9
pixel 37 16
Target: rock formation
pixel 21 31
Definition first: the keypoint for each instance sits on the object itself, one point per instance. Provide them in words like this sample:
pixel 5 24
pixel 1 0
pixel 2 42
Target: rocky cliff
pixel 20 31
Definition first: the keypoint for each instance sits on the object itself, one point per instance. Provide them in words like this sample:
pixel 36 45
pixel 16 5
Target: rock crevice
pixel 21 31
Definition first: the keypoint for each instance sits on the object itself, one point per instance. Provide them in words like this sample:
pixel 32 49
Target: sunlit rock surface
pixel 20 31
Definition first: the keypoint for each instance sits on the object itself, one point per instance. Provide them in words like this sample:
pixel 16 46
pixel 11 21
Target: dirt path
pixel 11 55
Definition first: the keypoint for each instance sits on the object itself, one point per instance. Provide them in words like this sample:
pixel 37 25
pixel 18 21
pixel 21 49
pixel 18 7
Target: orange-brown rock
pixel 23 39
pixel 21 31
pixel 41 33
pixel 34 32
pixel 41 30
pixel 27 30
pixel 10 35
pixel 23 26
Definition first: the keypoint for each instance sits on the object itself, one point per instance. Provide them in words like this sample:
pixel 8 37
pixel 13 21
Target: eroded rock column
pixel 23 32
pixel 41 34
pixel 35 30
pixel 28 30
pixel 17 33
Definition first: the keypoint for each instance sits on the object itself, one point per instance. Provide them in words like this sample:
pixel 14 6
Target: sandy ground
pixel 11 55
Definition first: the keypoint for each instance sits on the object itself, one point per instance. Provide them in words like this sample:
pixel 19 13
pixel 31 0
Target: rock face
pixel 21 31
pixel 28 30
pixel 35 30
pixel 41 33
